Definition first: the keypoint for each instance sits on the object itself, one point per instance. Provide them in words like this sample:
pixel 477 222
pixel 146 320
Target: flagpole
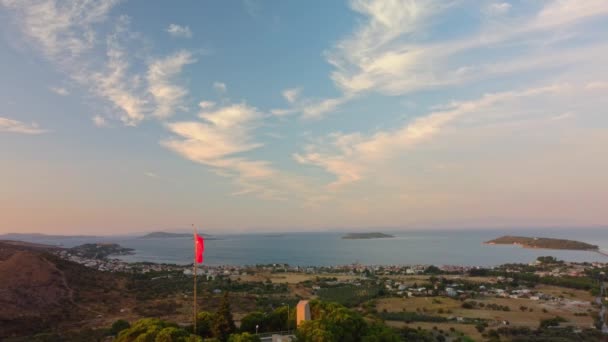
pixel 194 272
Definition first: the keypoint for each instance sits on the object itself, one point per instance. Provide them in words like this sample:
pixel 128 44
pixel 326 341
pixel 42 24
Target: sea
pixel 420 247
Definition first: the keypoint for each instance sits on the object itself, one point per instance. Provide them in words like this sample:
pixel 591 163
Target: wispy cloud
pixel 391 53
pixel 60 91
pixel 218 139
pixel 352 157
pixel 99 121
pixel 167 95
pixel 291 95
pixel 15 126
pixel 179 31
pixel 220 87
pixel 151 174
pixel 70 35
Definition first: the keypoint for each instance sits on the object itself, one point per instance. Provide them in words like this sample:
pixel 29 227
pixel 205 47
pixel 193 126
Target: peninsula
pixel 547 243
pixel 359 236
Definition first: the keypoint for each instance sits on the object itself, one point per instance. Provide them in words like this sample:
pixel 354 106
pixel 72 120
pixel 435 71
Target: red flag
pixel 199 248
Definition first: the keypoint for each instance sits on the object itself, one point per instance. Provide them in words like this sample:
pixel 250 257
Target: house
pixel 451 292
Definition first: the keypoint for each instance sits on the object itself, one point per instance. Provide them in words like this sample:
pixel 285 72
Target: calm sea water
pixel 464 247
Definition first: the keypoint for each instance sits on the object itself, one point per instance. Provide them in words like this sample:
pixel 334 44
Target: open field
pixel 292 278
pixel 468 329
pixel 442 306
pixel 410 279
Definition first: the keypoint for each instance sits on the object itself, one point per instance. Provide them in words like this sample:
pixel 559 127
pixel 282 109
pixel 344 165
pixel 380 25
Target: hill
pixel 549 243
pixel 42 292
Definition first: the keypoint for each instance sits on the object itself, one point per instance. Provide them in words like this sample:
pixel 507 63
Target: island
pixel 359 236
pixel 100 250
pixel 165 235
pixel 546 243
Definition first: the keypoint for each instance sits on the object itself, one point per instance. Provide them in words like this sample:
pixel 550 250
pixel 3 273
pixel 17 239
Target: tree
pixel 243 337
pixel 253 319
pixel 152 329
pixel 204 322
pixel 334 322
pixel 223 323
pixel 119 326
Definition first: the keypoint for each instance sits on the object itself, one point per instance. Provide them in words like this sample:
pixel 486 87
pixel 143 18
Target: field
pixel 468 329
pixel 446 307
pixel 292 278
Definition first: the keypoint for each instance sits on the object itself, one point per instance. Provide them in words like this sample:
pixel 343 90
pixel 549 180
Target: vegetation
pixel 411 317
pixel 350 295
pixel 223 323
pixel 531 242
pixel 334 322
pixel 119 326
pixel 357 236
pixel 152 329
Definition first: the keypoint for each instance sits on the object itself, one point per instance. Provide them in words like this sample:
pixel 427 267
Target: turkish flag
pixel 199 248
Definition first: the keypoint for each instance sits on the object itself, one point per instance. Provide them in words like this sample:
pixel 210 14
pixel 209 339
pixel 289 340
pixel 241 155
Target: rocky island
pixel 359 236
pixel 548 243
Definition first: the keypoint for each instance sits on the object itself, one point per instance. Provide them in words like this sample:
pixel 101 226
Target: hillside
pixel 549 243
pixel 39 291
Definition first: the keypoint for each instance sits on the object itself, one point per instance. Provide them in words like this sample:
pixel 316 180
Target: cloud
pixel 151 174
pixel 350 157
pixel 390 52
pixel 99 121
pixel 219 87
pixel 206 104
pixel 61 29
pixel 497 8
pixel 218 140
pixel 104 55
pixel 179 31
pixel 15 126
pixel 167 95
pixel 60 91
pixel 291 95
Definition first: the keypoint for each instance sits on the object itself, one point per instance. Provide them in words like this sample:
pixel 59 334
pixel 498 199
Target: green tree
pixel 249 322
pixel 223 324
pixel 153 330
pixel 243 337
pixel 119 326
pixel 204 322
pixel 172 334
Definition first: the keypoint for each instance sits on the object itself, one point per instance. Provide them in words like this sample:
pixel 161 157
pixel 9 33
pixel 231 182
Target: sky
pixel 238 116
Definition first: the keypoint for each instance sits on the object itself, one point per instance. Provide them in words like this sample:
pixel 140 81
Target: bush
pixel 243 337
pixel 119 326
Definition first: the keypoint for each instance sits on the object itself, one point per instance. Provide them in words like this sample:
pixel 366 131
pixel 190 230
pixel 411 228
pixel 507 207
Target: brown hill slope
pixel 41 292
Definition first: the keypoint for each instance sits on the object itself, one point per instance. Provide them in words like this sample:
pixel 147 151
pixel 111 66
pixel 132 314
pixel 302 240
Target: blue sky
pixel 125 116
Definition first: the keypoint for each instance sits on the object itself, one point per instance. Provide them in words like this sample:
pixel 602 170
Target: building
pixel 302 312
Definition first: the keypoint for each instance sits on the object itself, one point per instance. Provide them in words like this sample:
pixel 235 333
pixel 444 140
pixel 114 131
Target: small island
pixel 100 250
pixel 359 236
pixel 546 243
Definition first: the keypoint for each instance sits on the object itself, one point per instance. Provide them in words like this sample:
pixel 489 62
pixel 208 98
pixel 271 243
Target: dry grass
pixel 412 304
pixel 515 316
pixel 467 329
pixel 291 278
